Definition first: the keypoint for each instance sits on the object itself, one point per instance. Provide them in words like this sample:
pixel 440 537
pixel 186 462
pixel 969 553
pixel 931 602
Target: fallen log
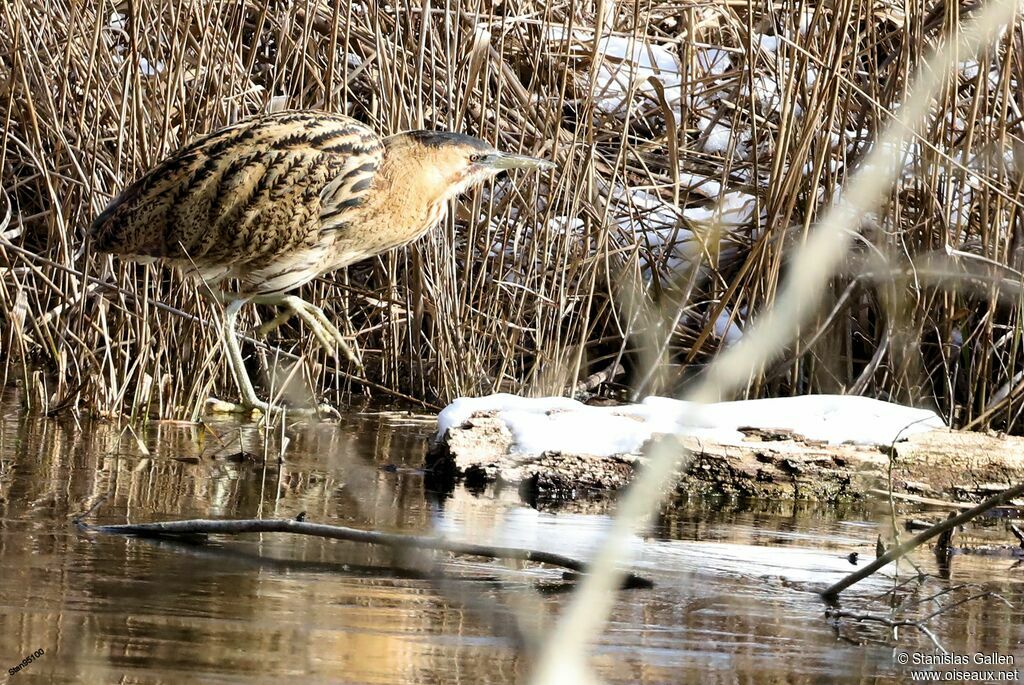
pixel 768 463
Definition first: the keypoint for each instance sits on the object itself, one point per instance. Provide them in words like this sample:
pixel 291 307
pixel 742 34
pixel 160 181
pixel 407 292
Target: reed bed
pixel 696 144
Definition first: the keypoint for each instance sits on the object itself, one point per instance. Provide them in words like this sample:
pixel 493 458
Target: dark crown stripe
pixel 444 138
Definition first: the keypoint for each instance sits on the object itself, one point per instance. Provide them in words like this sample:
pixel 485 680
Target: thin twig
pixel 891 623
pixel 896 552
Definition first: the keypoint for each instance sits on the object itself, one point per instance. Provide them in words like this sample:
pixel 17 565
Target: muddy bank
pixel 941 464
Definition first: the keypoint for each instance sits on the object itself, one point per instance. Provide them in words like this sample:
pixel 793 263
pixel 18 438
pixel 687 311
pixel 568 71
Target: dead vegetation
pixel 696 145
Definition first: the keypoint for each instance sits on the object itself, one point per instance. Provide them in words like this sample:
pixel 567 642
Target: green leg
pixel 250 400
pixel 235 359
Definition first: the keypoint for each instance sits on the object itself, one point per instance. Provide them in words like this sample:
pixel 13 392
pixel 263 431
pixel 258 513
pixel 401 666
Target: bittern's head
pixel 450 163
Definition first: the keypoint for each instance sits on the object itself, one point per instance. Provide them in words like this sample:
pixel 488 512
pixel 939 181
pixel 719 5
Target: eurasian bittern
pixel 275 201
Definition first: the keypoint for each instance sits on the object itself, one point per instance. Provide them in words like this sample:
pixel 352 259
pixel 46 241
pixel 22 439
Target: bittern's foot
pixel 216 406
pixel 327 334
pixel 250 400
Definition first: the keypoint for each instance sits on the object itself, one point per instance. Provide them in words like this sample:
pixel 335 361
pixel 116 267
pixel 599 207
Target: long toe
pixel 275 323
pixel 323 329
pixel 328 411
pixel 218 406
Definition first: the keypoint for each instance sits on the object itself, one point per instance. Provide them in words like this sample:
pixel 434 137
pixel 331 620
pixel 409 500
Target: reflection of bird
pixel 277 200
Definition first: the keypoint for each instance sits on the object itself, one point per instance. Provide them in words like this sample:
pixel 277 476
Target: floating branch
pixel 197 529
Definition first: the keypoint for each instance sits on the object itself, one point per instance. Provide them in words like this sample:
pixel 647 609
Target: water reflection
pixel 734 599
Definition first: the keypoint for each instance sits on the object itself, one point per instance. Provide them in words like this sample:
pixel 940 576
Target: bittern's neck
pixel 414 185
pixel 408 198
pixel 420 170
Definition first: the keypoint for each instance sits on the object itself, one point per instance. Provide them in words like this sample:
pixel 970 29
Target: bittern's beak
pixel 508 160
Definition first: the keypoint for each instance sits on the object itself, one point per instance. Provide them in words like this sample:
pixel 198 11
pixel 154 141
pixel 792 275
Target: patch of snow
pixel 561 424
pixel 713 61
pixel 700 184
pixel 765 42
pixel 278 103
pixel 572 225
pixel 626 65
pixel 728 331
pixel 148 68
pixel 959 206
pixel 767 93
pixel 956 338
pixel 833 166
pixel 663 226
pixel 639 209
pixel 647 56
pixel 810 75
pixel 733 209
pixel 969 69
pixel 718 138
pixel 561 33
pixel 805 20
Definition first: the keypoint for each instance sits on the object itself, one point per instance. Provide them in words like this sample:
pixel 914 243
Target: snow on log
pixel 810 447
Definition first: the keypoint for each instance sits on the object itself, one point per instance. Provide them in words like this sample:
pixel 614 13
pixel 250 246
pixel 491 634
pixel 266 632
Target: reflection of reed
pixel 105 609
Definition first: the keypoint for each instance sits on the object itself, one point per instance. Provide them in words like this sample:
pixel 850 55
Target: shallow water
pixel 734 598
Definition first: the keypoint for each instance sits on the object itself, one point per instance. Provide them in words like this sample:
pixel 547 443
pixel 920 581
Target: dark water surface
pixel 734 600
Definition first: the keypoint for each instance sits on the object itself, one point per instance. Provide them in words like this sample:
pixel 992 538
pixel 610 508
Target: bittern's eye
pixel 476 158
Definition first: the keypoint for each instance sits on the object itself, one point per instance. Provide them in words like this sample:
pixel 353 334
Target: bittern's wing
pixel 247 194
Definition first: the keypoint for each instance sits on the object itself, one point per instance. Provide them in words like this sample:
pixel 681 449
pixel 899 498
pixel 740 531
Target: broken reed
pixel 522 289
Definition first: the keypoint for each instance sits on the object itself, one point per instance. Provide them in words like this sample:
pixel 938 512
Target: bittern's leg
pixel 327 334
pixel 250 400
pixel 235 360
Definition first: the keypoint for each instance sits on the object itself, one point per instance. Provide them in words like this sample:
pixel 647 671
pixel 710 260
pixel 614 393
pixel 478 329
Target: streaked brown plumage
pixel 274 201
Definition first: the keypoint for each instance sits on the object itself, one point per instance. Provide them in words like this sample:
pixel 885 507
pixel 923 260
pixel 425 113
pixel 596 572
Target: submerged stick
pixel 925 501
pixel 200 527
pixel 939 528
